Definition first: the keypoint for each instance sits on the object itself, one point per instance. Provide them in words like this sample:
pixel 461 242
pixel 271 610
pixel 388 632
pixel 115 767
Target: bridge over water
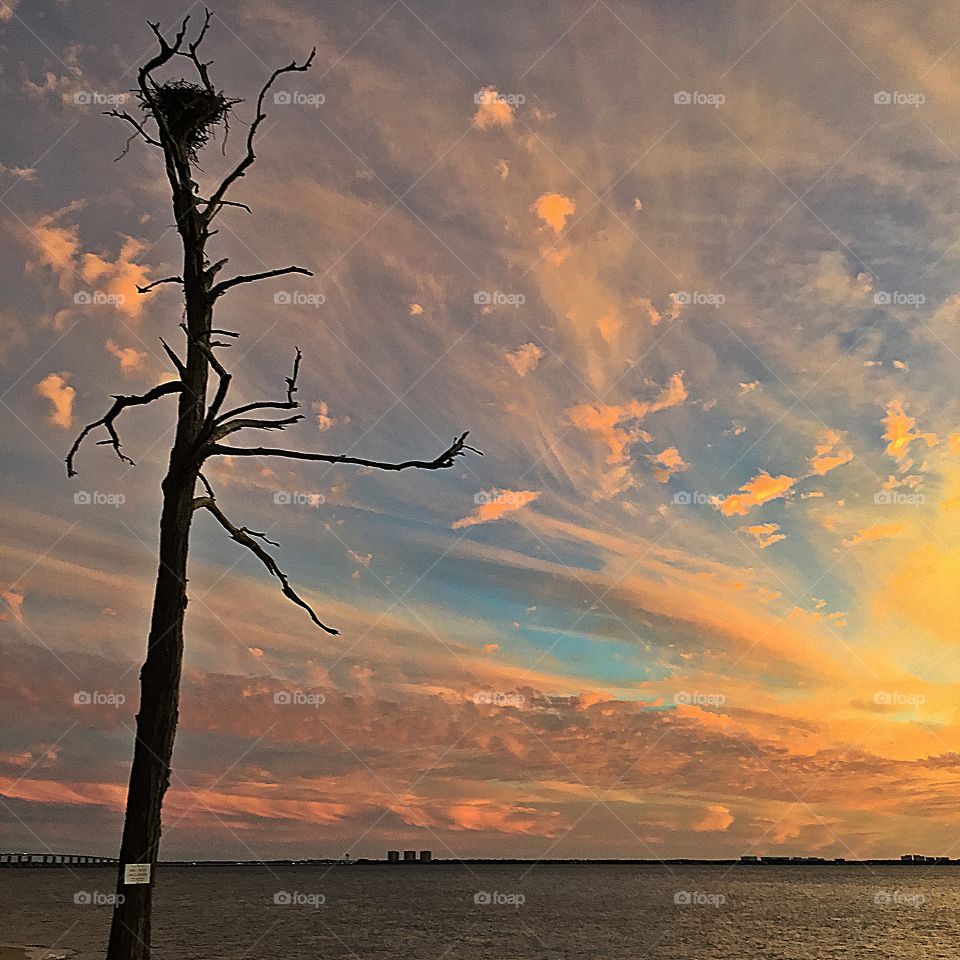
pixel 28 860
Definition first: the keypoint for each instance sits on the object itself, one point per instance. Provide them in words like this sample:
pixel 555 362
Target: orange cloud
pixel 765 534
pixel 14 601
pixel 876 531
pixel 667 463
pixel 119 280
pixel 324 421
pixel 755 492
pixel 610 423
pixel 716 817
pixel 494 504
pixel 827 458
pixel 111 283
pixel 493 109
pixel 131 360
pixel 525 358
pixel 900 431
pixel 54 387
pixel 553 209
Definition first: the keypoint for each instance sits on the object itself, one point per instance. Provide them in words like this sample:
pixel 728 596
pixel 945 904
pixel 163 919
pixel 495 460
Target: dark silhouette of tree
pixel 178 118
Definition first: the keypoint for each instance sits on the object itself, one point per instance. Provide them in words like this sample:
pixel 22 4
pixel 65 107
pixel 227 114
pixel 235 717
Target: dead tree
pixel 178 118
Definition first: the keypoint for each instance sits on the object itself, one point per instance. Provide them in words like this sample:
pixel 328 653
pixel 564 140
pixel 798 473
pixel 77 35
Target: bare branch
pixel 177 362
pixel 225 203
pixel 232 426
pixel 106 421
pixel 288 404
pixel 446 459
pixel 123 115
pixel 192 55
pixel 156 283
pixel 222 387
pixel 248 539
pixel 241 168
pixel 222 287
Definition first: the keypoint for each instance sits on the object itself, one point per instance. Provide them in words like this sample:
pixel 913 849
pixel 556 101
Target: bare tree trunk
pixel 160 674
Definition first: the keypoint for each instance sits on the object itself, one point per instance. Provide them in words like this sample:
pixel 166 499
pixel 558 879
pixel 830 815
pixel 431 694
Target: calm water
pixel 504 912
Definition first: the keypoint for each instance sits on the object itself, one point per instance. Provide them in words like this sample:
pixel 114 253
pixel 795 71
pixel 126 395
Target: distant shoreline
pixel 519 861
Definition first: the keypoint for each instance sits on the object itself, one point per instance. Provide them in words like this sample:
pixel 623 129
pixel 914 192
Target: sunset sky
pixel 688 273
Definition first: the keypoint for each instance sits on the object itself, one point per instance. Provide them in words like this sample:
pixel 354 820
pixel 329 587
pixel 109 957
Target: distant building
pixel 426 856
pixel 393 856
pixel 749 859
pixel 409 856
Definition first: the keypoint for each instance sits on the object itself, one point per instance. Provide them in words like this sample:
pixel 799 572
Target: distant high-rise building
pixel 409 856
pixel 426 856
pixel 393 856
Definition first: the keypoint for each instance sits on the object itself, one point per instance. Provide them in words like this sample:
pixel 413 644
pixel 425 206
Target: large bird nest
pixel 190 112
